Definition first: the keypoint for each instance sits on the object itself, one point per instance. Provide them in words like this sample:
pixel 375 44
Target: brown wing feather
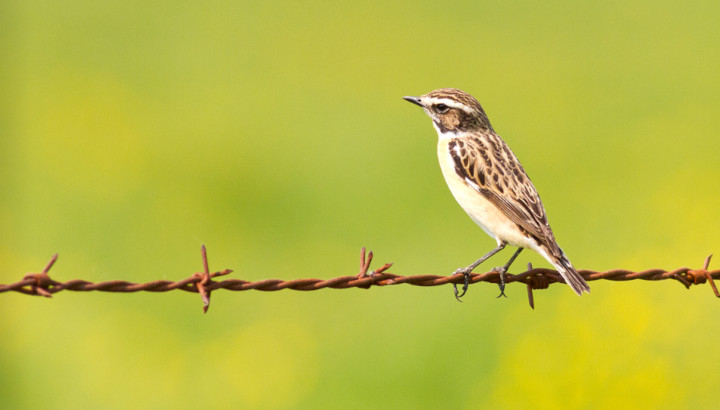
pixel 494 169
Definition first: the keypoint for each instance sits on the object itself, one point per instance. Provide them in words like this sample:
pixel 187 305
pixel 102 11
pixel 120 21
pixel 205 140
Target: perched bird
pixel 489 183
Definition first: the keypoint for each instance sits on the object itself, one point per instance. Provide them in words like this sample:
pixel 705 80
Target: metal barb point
pixel 364 263
pixel 531 298
pixel 709 276
pixel 203 279
pixel 381 270
pixel 54 258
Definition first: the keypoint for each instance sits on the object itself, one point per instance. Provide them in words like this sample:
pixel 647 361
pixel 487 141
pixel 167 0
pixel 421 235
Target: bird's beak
pixel 414 100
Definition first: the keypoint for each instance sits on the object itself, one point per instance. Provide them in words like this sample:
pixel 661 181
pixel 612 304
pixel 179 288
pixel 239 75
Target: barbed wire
pixel 40 284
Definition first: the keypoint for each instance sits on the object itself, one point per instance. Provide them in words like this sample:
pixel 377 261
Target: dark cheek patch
pixel 453 119
pixel 450 120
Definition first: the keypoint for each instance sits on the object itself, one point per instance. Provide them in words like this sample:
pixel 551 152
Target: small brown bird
pixel 489 183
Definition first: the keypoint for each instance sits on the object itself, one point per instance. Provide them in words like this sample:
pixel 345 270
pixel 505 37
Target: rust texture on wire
pixel 41 284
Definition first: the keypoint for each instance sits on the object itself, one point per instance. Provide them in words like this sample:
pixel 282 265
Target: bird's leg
pixel 466 271
pixel 503 270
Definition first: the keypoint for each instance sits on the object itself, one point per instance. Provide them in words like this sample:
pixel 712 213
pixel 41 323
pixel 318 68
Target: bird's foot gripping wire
pixel 466 275
pixel 501 270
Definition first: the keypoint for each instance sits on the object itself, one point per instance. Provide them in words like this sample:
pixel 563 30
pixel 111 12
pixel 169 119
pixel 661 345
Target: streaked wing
pixel 489 167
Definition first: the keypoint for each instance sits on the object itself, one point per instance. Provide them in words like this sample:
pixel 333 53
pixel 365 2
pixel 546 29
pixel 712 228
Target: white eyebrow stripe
pixel 449 103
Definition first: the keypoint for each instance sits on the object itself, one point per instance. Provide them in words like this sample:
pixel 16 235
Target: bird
pixel 488 182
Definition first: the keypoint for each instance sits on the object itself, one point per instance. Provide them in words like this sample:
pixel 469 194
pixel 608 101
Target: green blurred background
pixel 274 132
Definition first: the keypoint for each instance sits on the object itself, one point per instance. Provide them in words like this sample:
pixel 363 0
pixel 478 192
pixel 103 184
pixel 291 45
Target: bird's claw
pixel 466 275
pixel 501 271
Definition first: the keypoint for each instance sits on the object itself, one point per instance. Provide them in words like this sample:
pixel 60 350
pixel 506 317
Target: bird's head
pixel 453 111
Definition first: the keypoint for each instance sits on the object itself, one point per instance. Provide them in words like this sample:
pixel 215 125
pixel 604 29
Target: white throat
pixel 447 134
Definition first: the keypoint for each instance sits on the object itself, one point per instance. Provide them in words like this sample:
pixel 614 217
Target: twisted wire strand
pixel 534 278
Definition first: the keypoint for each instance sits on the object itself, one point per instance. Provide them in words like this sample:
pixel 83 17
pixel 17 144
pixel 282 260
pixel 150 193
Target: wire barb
pixel 701 275
pixel 204 278
pixel 365 265
pixel 40 284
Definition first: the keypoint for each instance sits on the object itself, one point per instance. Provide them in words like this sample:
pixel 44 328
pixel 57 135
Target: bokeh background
pixel 275 133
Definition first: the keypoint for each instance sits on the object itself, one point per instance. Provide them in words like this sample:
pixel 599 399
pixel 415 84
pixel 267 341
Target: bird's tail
pixel 571 276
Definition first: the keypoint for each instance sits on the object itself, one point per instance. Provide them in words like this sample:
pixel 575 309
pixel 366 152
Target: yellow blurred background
pixel 275 133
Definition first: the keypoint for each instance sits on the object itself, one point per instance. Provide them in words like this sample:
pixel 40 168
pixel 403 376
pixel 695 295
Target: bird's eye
pixel 442 108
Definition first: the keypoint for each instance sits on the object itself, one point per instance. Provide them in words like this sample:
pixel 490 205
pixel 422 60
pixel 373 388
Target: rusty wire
pixel 41 284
